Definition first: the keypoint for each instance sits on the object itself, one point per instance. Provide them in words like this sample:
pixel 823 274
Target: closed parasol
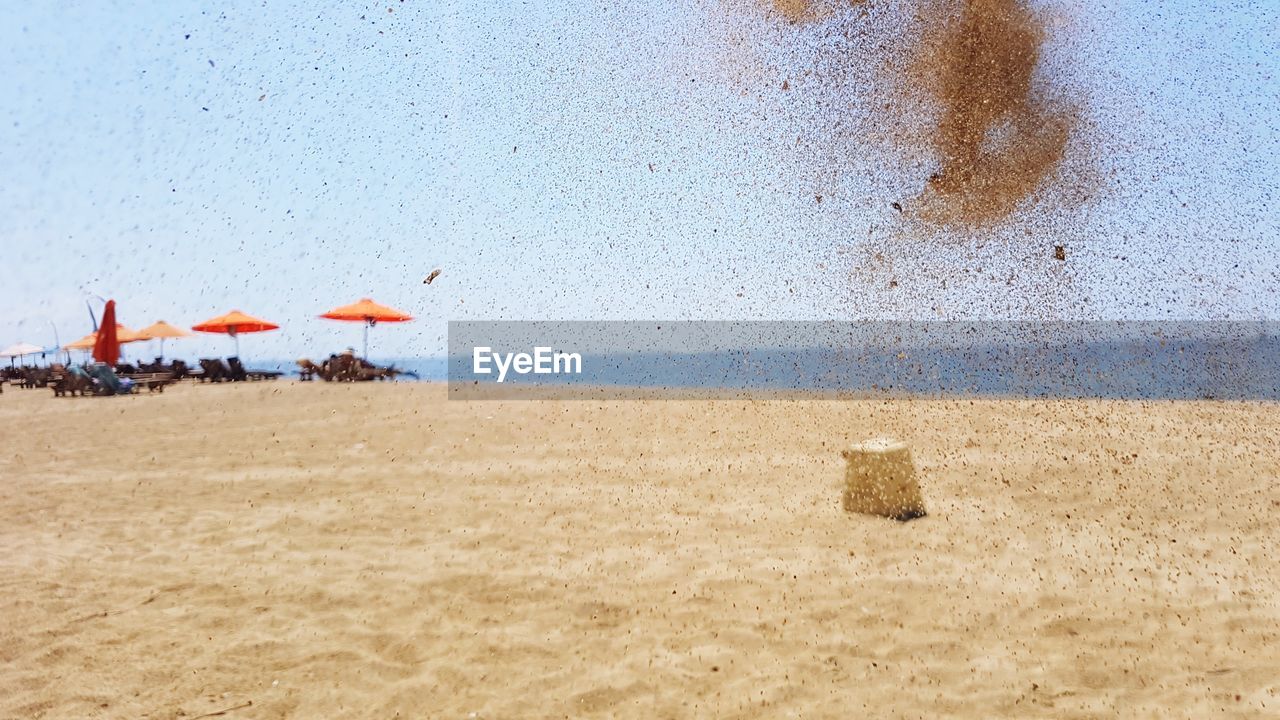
pixel 368 312
pixel 106 348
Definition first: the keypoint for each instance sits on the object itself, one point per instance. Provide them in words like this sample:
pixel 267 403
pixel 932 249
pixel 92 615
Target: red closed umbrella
pixel 106 349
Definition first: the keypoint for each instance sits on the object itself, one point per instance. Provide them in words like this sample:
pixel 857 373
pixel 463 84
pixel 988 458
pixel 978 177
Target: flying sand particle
pixel 971 88
pixel 1000 134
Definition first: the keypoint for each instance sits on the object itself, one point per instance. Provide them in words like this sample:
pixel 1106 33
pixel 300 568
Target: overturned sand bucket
pixel 880 479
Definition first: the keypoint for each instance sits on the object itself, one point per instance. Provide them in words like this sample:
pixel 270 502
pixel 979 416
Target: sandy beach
pixel 376 551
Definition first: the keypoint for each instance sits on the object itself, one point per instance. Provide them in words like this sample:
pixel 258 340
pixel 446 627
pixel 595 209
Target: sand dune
pixel 376 551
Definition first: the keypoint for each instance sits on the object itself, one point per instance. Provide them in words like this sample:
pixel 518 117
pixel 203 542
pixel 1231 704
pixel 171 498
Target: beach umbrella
pixel 84 343
pixel 20 349
pixel 123 336
pixel 13 352
pixel 368 312
pixel 234 324
pixel 106 349
pixel 159 330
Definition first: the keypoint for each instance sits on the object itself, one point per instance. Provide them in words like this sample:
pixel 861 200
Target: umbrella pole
pixel 366 340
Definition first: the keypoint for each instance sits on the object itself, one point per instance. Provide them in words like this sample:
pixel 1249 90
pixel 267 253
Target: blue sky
pixel 587 161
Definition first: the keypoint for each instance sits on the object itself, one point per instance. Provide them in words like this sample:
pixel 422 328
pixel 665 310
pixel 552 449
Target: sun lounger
pixel 180 370
pixel 214 370
pixel 152 381
pixel 106 382
pixel 239 372
pixel 390 372
pixel 34 378
pixel 307 370
pixel 70 382
pixel 236 369
pixel 348 368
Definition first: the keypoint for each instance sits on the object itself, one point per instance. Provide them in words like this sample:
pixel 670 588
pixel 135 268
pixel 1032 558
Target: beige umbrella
pixel 13 352
pixel 159 330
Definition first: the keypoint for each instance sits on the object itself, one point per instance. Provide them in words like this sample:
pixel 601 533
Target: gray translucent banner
pixel 1237 360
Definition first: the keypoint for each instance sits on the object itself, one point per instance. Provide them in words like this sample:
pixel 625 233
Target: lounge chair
pixel 179 370
pixel 241 373
pixel 390 372
pixel 37 377
pixel 106 382
pixel 308 371
pixel 344 367
pixel 348 368
pixel 152 381
pixel 70 381
pixel 238 373
pixel 214 370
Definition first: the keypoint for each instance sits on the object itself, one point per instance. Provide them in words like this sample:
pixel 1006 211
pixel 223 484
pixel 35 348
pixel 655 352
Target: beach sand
pixel 376 551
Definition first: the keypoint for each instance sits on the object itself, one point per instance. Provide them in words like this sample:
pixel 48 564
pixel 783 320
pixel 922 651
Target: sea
pixel 1232 366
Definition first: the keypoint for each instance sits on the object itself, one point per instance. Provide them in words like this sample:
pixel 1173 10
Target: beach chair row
pixel 215 370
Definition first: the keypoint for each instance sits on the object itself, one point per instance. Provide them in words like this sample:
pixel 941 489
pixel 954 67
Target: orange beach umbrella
pixel 234 323
pixel 84 343
pixel 368 312
pixel 159 330
pixel 123 335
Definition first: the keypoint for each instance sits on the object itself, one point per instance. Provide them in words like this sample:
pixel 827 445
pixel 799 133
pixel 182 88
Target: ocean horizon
pixel 1241 368
pixel 428 369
